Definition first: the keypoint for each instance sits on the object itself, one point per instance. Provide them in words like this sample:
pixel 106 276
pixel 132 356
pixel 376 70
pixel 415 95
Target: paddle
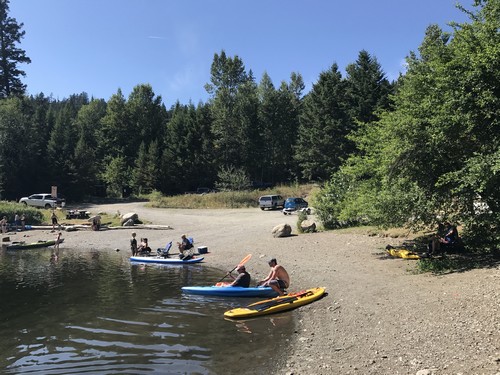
pixel 276 301
pixel 243 261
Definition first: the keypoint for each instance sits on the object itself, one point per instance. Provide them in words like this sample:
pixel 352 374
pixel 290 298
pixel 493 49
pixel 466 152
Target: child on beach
pixel 133 244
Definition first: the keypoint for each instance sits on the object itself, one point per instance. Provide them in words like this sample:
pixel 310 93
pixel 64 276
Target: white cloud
pixel 156 37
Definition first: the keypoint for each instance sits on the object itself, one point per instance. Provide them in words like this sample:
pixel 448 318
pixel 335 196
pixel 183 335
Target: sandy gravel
pixel 378 316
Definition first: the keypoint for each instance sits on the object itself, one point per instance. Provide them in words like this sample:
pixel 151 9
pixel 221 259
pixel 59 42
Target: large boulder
pixel 130 216
pixel 282 230
pixel 308 226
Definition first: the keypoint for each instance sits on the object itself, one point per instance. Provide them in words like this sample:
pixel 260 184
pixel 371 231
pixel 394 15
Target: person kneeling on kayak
pixel 243 279
pixel 277 279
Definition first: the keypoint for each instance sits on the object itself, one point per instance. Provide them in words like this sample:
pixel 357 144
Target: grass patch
pixel 106 219
pixel 227 199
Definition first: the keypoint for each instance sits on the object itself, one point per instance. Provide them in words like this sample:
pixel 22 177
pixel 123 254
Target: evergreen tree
pixel 323 142
pixel 367 88
pixel 278 121
pixel 233 100
pixel 289 109
pixel 11 56
pixel 146 117
pixel 61 150
pixel 87 124
pixel 145 174
pixel 15 156
pixel 179 157
pixel 140 170
pixel 117 176
pixel 115 136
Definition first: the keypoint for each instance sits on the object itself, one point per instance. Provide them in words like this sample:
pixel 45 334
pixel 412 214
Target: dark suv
pixel 295 204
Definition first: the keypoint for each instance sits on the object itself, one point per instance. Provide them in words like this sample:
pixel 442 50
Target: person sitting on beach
pixel 449 238
pixel 144 248
pixel 3 224
pixel 278 278
pixel 96 223
pixel 243 279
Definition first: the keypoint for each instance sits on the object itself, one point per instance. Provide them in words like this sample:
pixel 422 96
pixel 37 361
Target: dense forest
pixel 412 152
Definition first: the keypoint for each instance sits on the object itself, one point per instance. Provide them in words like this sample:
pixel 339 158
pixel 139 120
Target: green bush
pixel 33 215
pixel 300 219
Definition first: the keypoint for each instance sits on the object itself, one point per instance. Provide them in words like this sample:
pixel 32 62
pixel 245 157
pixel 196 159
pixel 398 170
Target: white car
pixel 271 202
pixel 42 200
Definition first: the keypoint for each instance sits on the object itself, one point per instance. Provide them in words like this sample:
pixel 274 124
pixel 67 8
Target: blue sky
pixel 98 46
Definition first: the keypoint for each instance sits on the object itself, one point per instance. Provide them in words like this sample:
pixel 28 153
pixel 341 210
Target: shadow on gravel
pixel 452 263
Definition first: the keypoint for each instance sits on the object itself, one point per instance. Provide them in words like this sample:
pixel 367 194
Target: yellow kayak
pixel 278 304
pixel 402 253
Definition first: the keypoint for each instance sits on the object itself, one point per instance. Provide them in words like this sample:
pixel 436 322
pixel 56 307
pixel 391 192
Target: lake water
pixel 96 313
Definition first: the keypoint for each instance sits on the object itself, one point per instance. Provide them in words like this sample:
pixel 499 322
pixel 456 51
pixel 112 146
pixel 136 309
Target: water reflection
pixel 94 312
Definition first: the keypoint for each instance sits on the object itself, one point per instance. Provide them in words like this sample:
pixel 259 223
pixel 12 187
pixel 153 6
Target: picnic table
pixel 77 214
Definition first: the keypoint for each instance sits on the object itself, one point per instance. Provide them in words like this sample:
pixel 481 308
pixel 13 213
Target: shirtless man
pixel 277 279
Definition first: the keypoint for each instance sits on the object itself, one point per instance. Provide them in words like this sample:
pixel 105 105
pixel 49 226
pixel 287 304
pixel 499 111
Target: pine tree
pixel 10 55
pixel 367 88
pixel 234 101
pixel 325 124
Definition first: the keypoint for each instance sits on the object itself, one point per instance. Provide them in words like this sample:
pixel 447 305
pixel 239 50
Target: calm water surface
pixel 94 312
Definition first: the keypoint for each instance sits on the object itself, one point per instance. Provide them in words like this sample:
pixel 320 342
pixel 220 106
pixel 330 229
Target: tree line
pixel 136 144
pixel 411 152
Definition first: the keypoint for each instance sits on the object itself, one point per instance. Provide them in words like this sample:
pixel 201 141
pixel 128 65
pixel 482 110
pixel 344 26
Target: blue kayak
pixel 165 260
pixel 230 291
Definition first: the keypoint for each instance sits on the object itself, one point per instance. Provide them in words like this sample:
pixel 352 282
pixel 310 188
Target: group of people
pixel 143 248
pixel 19 223
pixel 278 278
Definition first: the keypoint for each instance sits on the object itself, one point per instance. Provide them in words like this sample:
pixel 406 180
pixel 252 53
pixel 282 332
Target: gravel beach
pixel 379 317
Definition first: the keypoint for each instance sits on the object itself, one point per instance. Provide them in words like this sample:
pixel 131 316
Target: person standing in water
pixel 133 244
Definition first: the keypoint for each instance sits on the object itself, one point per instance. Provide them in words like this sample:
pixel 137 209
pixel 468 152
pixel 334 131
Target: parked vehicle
pixel 42 200
pixel 295 204
pixel 271 201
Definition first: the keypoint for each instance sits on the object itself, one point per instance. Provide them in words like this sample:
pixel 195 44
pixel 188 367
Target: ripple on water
pixel 94 312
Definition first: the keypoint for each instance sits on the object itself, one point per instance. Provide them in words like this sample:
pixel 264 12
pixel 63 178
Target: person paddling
pixel 243 279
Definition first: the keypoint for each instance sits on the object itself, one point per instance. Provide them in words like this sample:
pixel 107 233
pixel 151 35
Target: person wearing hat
pixel 277 279
pixel 243 279
pixel 185 244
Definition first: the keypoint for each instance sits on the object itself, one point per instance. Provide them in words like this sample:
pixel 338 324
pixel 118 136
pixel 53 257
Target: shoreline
pixel 378 317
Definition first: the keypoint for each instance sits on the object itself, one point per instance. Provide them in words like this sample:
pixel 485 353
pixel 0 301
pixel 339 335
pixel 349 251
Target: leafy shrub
pixel 10 209
pixel 301 218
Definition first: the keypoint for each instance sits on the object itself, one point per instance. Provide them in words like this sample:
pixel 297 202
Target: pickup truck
pixel 42 200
